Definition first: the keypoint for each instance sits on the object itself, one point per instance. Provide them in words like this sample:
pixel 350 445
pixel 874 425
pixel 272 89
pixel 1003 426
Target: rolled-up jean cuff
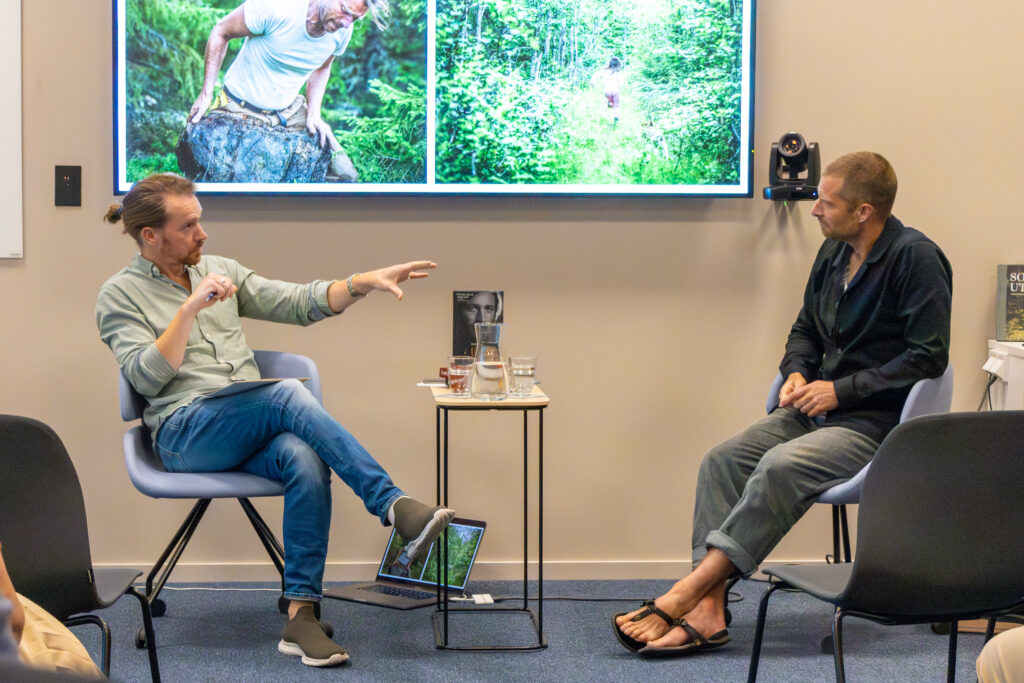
pixel 302 597
pixel 744 563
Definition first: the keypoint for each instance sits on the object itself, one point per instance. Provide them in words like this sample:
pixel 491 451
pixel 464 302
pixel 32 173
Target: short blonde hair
pixel 867 179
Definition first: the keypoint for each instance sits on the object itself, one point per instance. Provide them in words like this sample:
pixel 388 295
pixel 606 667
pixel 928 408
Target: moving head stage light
pixel 794 169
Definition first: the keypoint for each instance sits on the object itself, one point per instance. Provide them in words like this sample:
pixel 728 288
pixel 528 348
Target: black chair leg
pixel 990 629
pixel 951 661
pixel 840 527
pixel 728 588
pixel 837 640
pixel 165 564
pixel 104 637
pixel 762 613
pixel 835 534
pixel 844 525
pixel 266 536
pixel 147 626
pixel 273 548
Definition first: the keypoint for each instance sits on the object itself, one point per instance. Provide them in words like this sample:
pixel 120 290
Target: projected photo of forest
pixel 374 102
pixel 462 545
pixel 589 92
pixel 454 96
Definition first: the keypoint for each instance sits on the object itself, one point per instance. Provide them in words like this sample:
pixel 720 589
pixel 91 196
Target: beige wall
pixel 658 322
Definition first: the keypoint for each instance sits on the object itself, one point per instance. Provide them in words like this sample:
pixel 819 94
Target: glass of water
pixel 522 371
pixel 459 370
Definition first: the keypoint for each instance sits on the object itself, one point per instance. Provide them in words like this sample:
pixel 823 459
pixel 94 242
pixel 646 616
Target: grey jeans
pixel 754 487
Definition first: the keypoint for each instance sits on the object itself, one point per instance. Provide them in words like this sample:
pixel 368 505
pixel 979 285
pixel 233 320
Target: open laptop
pixel 403 585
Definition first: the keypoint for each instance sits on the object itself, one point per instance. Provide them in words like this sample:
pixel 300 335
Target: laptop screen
pixel 464 536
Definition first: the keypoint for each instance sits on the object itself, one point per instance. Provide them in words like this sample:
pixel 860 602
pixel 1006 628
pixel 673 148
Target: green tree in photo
pixel 516 101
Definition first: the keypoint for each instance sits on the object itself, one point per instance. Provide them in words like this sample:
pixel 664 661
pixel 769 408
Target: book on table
pixel 1010 303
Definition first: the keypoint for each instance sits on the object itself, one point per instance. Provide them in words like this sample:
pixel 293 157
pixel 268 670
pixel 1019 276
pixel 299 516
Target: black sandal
pixel 649 609
pixel 697 644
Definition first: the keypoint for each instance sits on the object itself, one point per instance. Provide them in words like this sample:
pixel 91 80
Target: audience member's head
pixel 867 179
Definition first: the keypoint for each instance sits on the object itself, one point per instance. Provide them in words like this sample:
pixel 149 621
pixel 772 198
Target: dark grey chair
pixel 45 538
pixel 938 531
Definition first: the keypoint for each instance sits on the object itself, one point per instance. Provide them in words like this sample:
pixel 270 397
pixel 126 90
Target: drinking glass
pixel 523 371
pixel 459 370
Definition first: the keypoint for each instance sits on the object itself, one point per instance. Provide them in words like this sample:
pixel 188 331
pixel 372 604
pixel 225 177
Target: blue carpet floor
pixel 220 635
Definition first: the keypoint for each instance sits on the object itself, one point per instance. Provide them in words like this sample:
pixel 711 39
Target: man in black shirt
pixel 875 319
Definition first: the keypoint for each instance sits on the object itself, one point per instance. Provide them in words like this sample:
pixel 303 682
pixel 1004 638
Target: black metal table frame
pixel 441 615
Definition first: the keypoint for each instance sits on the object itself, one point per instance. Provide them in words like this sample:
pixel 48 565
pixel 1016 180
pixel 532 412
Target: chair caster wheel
pixel 728 616
pixel 282 604
pixel 158 608
pixel 140 639
pixel 828 646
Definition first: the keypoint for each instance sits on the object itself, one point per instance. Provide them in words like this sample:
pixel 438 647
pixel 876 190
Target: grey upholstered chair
pixel 149 477
pixel 927 397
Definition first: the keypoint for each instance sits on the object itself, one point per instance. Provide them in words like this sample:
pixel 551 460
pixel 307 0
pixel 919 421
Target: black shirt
pixel 876 337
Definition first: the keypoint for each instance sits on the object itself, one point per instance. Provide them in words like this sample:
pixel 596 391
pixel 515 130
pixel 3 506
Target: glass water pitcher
pixel 490 376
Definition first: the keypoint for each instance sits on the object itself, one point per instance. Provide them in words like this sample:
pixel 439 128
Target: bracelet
pixel 352 291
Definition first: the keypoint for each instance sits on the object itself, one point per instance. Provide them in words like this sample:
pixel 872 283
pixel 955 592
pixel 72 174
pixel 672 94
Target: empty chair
pixel 45 537
pixel 939 529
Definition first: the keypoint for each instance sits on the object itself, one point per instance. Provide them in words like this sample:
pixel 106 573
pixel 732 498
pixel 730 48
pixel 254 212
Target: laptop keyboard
pixel 400 592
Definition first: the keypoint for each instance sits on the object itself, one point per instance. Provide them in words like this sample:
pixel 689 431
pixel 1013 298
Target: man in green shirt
pixel 173 320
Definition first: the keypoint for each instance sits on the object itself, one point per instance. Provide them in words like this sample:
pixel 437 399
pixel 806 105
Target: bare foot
pixel 708 618
pixel 706 583
pixel 651 627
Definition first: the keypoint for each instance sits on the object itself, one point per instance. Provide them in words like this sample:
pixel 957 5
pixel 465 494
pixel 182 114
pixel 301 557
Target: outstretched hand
pixel 387 279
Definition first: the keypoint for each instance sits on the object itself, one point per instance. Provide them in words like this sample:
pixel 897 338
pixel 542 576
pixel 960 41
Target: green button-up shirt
pixel 136 306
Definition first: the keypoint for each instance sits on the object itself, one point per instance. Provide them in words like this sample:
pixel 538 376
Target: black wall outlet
pixel 67 185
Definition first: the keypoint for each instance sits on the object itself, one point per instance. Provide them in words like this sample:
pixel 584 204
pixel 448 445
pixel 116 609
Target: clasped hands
pixel 810 398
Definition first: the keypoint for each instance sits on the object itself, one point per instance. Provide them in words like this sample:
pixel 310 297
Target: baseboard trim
pixel 573 570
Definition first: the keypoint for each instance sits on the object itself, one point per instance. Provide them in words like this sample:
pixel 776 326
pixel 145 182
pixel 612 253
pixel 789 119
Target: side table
pixel 445 403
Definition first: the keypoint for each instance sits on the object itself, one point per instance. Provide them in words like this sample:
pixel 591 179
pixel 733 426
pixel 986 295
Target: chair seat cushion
pixel 149 476
pixel 112 583
pixel 847 493
pixel 824 581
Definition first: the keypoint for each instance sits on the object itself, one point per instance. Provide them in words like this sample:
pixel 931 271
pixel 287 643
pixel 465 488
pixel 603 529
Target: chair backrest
pixel 940 520
pixel 42 518
pixel 926 397
pixel 270 363
pixel 929 396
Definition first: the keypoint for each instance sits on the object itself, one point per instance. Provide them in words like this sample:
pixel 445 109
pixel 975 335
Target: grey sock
pixel 419 524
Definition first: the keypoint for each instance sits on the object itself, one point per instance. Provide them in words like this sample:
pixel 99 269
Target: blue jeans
pixel 280 431
pixel 754 487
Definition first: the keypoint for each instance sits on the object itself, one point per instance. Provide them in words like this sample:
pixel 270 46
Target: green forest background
pixel 515 102
pixel 375 99
pixel 462 543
